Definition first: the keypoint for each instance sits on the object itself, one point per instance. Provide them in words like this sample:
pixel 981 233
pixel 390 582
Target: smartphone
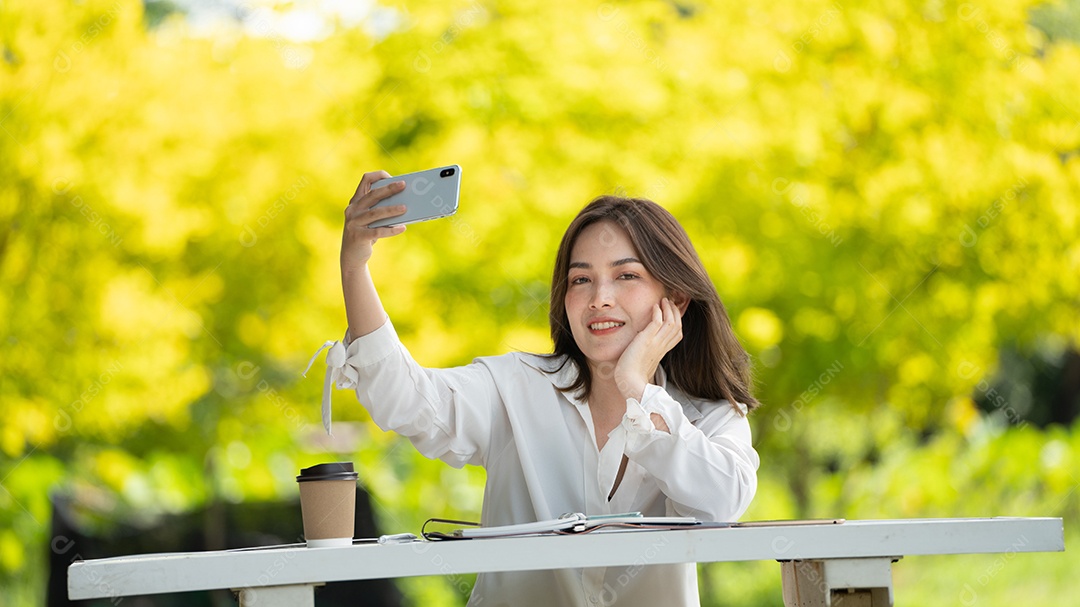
pixel 429 194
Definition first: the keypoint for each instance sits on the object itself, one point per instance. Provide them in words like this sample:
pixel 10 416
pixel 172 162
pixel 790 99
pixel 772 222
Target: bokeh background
pixel 885 193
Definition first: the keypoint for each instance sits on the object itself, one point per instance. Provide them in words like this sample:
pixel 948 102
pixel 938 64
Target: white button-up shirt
pixel 507 414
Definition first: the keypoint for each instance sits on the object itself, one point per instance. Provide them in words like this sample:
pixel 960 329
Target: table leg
pixel 838 582
pixel 300 595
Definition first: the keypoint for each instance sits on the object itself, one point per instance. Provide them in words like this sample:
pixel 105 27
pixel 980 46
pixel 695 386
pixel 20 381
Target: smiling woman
pixel 640 408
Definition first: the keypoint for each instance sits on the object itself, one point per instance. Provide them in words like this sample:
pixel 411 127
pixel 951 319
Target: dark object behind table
pixel 218 527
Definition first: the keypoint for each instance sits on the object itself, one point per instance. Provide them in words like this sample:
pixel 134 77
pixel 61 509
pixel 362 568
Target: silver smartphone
pixel 429 194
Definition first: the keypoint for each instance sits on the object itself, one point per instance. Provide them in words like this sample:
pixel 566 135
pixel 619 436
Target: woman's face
pixel 610 296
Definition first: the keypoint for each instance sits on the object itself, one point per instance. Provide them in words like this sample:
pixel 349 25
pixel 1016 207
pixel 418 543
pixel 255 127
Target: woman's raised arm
pixel 363 308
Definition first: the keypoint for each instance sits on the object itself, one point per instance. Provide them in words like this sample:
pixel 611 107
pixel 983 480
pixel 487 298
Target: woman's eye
pixel 628 276
pixel 578 280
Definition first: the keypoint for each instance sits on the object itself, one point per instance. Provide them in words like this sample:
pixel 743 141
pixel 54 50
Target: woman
pixel 641 407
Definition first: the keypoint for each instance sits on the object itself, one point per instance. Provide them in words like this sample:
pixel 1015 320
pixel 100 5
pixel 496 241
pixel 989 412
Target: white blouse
pixel 507 414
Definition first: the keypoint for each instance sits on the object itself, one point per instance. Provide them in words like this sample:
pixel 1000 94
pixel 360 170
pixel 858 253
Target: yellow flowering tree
pixel 885 194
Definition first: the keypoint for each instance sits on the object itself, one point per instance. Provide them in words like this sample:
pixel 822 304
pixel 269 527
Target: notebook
pixel 576 522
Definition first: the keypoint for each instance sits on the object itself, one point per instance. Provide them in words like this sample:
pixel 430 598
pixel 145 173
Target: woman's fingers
pixel 363 211
pixel 365 184
pixel 658 315
pixel 374 197
pixel 665 329
pixel 670 331
pixel 676 317
pixel 365 217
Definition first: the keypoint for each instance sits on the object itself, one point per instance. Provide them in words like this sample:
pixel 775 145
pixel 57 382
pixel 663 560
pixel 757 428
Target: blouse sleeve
pixel 446 413
pixel 707 470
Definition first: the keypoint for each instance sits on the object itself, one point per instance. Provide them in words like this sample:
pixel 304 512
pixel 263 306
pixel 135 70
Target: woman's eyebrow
pixel 618 262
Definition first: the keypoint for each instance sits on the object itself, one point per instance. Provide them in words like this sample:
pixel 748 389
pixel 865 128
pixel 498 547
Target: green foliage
pixel 885 194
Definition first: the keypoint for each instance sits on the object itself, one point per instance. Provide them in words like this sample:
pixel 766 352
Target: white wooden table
pixel 820 563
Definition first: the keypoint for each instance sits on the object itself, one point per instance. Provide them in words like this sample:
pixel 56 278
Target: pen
pixel 397 538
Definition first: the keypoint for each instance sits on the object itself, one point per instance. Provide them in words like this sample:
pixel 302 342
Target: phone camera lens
pixel 446 172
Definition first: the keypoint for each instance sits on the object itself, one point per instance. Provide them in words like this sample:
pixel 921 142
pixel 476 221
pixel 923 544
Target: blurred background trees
pixel 884 193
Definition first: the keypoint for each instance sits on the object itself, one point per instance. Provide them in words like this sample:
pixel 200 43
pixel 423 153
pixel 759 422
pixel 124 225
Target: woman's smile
pixel 605 326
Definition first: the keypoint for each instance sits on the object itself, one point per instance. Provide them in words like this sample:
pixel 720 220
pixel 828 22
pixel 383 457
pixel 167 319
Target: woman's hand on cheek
pixel 639 361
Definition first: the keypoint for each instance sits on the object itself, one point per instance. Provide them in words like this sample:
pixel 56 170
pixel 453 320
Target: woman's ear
pixel 682 302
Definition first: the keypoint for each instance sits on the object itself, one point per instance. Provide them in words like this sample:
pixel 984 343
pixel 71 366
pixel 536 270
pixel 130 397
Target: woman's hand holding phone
pixel 362 305
pixel 357 239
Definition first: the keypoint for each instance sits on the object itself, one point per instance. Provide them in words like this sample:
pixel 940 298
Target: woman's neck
pixel 604 392
pixel 607 406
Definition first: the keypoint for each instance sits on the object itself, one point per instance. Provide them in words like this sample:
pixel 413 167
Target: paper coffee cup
pixel 328 503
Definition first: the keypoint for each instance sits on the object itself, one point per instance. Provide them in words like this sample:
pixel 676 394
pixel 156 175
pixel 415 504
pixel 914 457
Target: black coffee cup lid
pixel 335 471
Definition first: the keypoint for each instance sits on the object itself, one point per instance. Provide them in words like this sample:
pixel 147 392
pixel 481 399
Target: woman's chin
pixel 603 363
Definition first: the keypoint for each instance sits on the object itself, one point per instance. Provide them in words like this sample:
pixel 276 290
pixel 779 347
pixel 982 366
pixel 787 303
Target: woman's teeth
pixel 600 326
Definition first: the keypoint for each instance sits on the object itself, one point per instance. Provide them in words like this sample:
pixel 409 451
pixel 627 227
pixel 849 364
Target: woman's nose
pixel 603 296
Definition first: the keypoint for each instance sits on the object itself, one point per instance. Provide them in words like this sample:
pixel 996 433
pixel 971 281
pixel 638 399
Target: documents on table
pixel 569 523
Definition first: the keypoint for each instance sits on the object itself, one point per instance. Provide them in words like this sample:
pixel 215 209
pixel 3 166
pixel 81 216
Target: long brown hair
pixel 709 362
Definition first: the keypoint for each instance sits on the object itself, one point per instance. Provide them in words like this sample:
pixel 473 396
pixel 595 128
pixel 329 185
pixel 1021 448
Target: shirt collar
pixel 560 371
